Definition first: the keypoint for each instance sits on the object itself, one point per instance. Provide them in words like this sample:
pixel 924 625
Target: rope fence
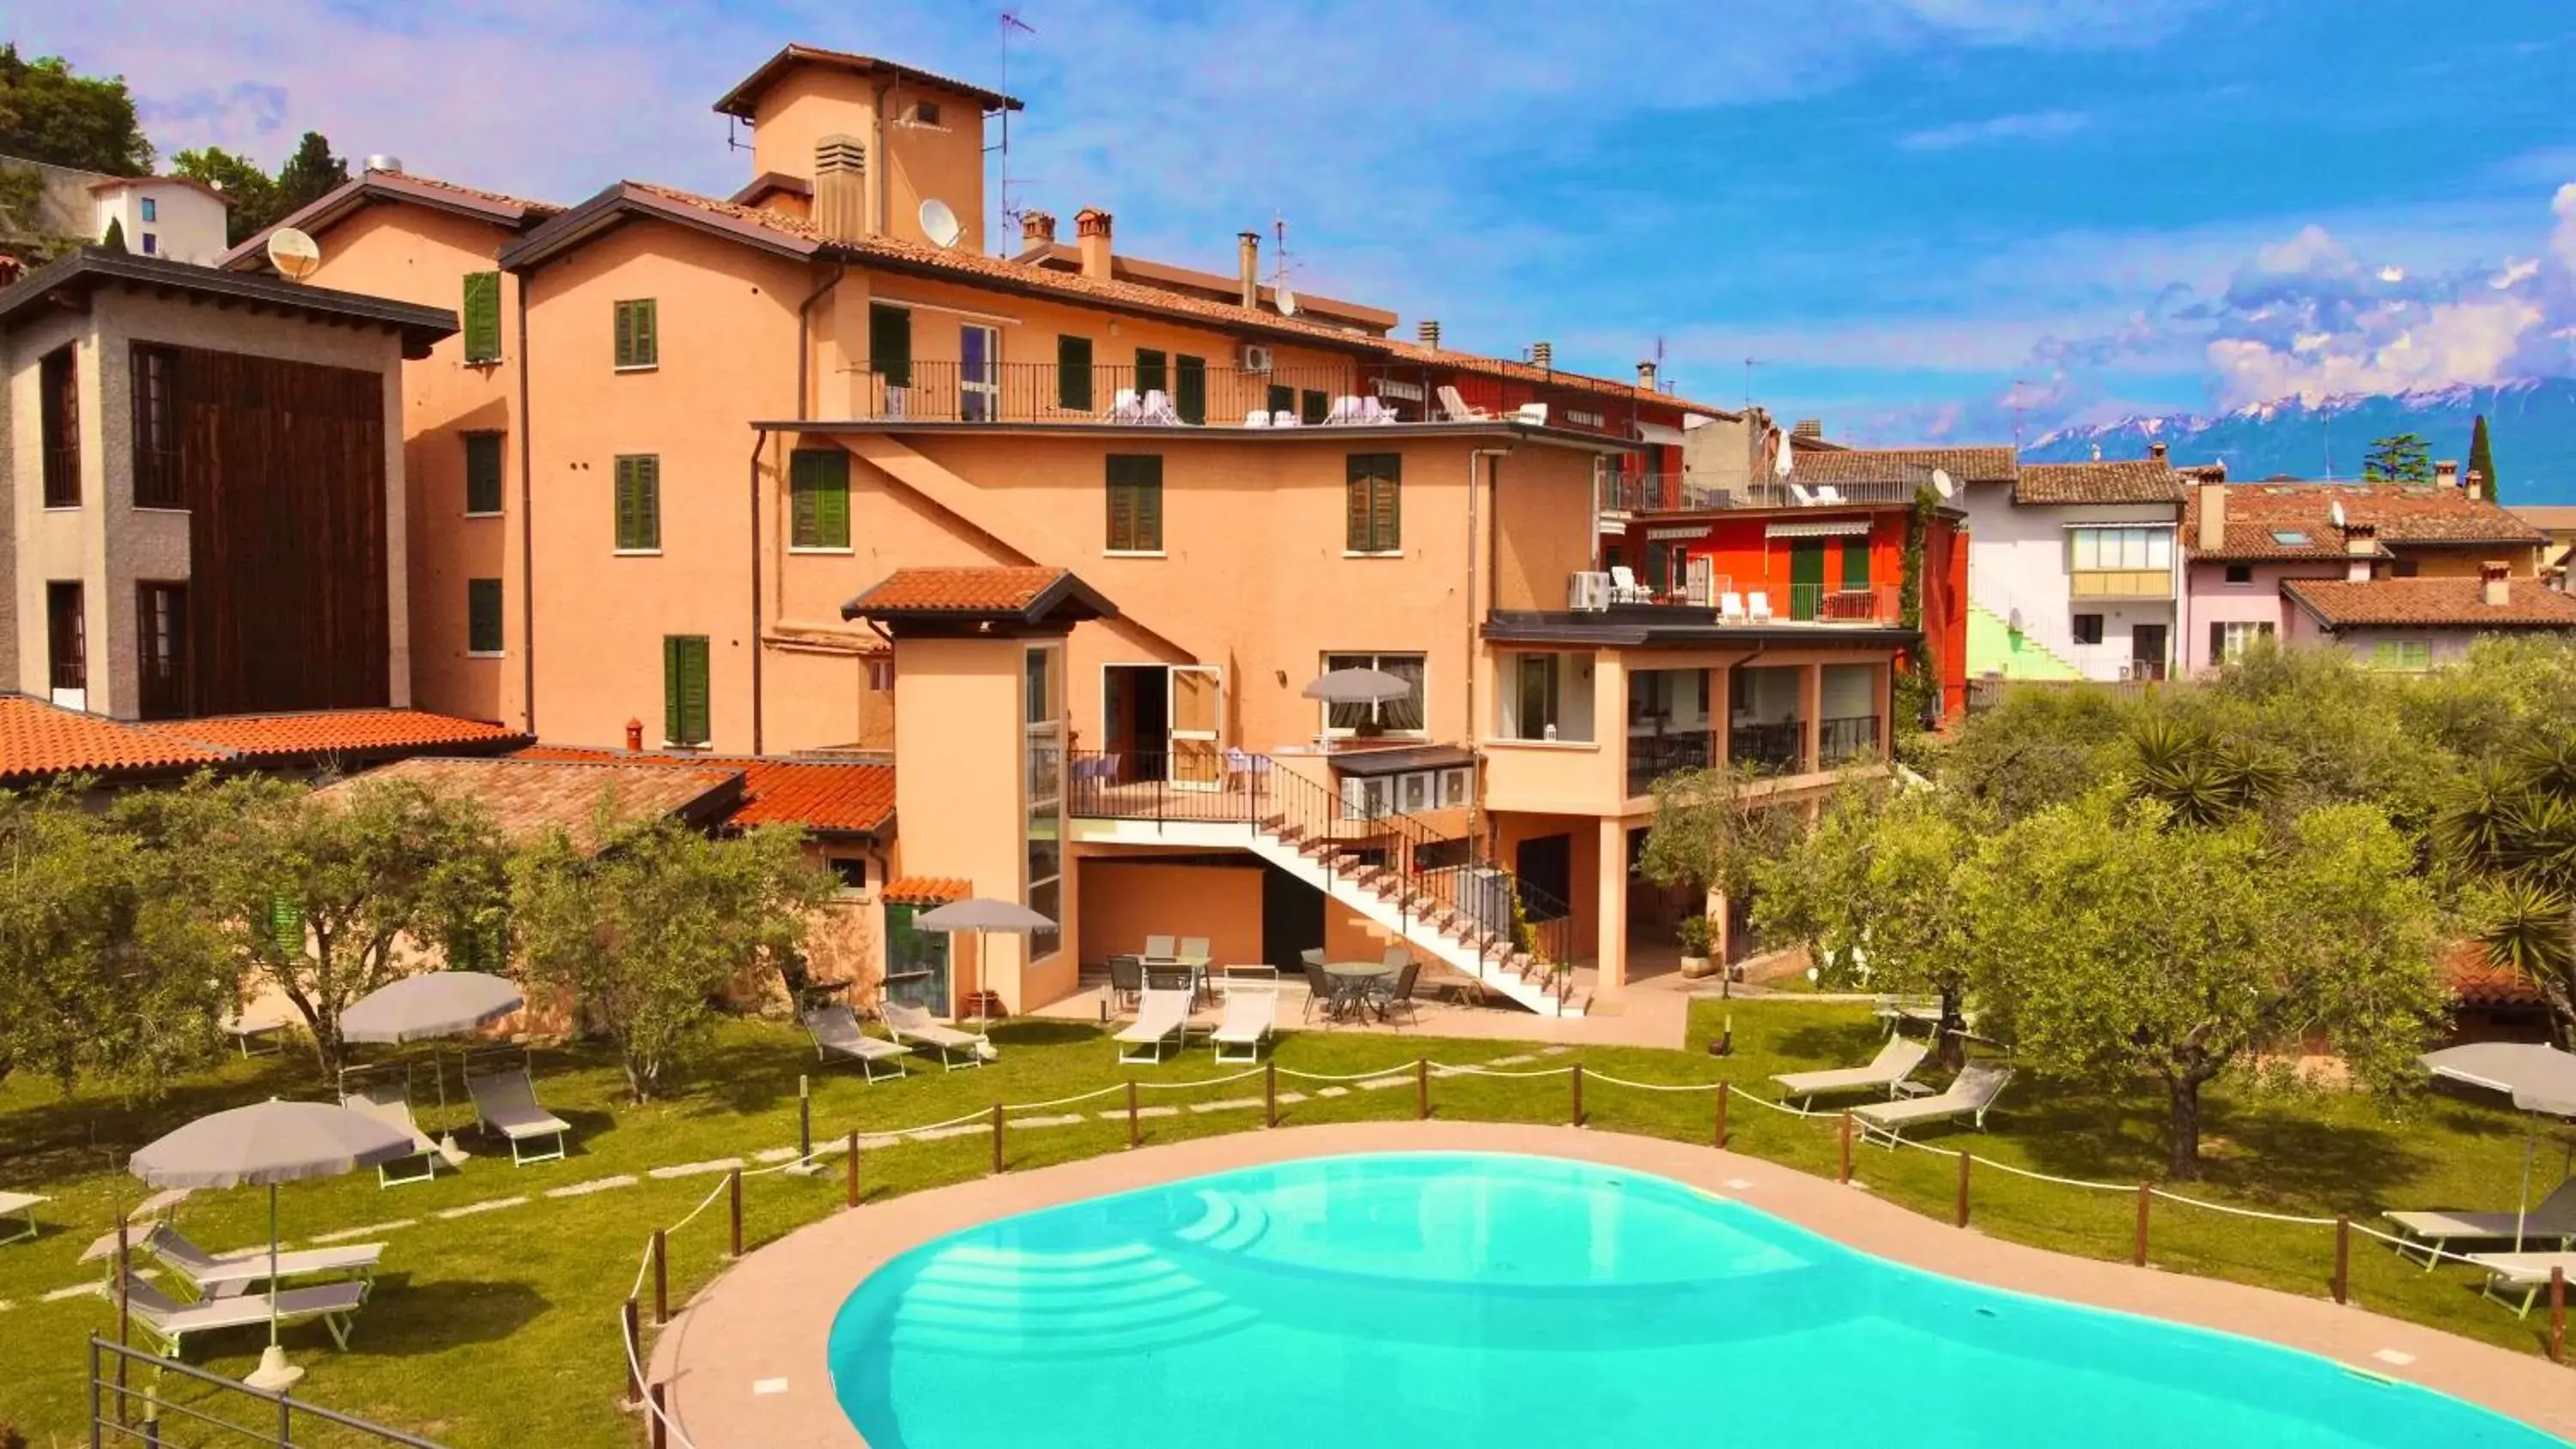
pixel 655 1261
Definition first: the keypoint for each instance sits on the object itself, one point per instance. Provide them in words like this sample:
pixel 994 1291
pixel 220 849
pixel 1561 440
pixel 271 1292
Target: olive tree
pixel 1713 831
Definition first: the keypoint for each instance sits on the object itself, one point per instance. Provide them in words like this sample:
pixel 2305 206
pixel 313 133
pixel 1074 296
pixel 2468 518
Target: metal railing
pixel 139 1398
pixel 1177 394
pixel 1847 738
pixel 1777 747
pixel 1651 757
pixel 1679 493
pixel 1843 604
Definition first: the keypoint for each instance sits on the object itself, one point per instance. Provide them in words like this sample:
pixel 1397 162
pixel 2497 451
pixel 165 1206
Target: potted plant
pixel 1693 934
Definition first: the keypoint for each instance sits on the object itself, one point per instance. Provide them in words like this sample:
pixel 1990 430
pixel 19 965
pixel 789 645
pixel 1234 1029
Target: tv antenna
pixel 1750 363
pixel 1009 23
pixel 1279 274
pixel 2020 400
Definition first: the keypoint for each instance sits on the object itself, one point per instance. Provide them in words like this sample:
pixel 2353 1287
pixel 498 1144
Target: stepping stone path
pixel 471 1208
pixel 695 1169
pixel 369 1231
pixel 596 1184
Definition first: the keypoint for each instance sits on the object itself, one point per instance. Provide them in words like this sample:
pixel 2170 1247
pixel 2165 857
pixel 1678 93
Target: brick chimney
pixel 634 735
pixel 2156 451
pixel 1646 376
pixel 1247 261
pixel 1428 330
pixel 2213 518
pixel 1037 228
pixel 2477 485
pixel 1807 428
pixel 841 187
pixel 1091 227
pixel 2446 473
pixel 2494 587
pixel 2361 550
pixel 1543 356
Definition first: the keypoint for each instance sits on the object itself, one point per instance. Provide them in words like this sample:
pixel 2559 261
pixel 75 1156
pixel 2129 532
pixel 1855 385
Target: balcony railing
pixel 1843 604
pixel 1675 493
pixel 1736 601
pixel 1651 757
pixel 1847 738
pixel 1776 747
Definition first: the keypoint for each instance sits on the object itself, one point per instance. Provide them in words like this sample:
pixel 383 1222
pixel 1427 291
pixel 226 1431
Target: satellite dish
pixel 1941 483
pixel 294 254
pixel 1287 299
pixel 2336 510
pixel 940 224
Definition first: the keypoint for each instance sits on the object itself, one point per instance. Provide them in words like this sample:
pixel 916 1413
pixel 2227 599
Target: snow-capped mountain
pixel 2531 424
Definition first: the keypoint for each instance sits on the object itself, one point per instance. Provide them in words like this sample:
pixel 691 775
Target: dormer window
pixel 2290 538
pixel 925 113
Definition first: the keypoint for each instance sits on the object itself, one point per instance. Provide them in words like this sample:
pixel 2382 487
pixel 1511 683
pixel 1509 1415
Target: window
pixel 1547 697
pixel 890 343
pixel 156 429
pixel 2088 628
pixel 2229 638
pixel 684 689
pixel 1372 505
pixel 1280 399
pixel 850 872
pixel 1660 699
pixel 818 487
pixel 1135 503
pixel 151 245
pixel 161 629
pixel 2290 537
pixel 639 334
pixel 481 314
pixel 979 373
pixel 1313 406
pixel 2413 654
pixel 1073 373
pixel 483 616
pixel 66 635
pixel 1855 565
pixel 58 426
pixel 1042 774
pixel 151 209
pixel 925 113
pixel 1153 372
pixel 880 675
pixel 639 503
pixel 2240 573
pixel 2122 548
pixel 482 473
pixel 1189 391
pixel 1400 716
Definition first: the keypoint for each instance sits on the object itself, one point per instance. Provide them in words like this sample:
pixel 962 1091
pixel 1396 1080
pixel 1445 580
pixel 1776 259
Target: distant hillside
pixel 2532 424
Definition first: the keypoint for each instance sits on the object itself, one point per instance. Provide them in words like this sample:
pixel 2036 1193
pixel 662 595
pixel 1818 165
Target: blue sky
pixel 1925 218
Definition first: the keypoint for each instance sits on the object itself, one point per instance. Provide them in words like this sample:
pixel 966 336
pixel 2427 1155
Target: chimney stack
pixel 1543 356
pixel 2156 451
pixel 1646 376
pixel 2446 473
pixel 2360 547
pixel 1091 227
pixel 1037 228
pixel 1808 428
pixel 1247 248
pixel 634 735
pixel 1428 329
pixel 841 187
pixel 2213 518
pixel 2493 584
pixel 2477 485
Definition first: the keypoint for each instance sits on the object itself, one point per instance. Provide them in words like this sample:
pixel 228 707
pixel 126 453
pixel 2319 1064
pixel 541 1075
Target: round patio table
pixel 1351 981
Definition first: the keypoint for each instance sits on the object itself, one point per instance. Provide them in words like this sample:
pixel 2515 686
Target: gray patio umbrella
pixel 426 1006
pixel 981 914
pixel 1358 686
pixel 263 1145
pixel 2540 1079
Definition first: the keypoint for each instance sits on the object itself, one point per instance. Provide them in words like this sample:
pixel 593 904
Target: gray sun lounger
pixel 390 1105
pixel 2552 1219
pixel 915 1027
pixel 2527 1273
pixel 225 1275
pixel 21 1205
pixel 836 1032
pixel 506 1102
pixel 172 1321
pixel 1161 1017
pixel 1248 1015
pixel 1896 1061
pixel 1969 1095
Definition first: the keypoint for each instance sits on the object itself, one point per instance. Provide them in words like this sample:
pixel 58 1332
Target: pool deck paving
pixel 745 1362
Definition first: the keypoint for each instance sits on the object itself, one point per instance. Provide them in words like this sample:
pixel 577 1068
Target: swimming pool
pixel 1421 1299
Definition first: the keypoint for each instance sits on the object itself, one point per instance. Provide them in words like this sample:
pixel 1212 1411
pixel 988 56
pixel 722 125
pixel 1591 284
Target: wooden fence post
pixel 634 1354
pixel 1577 1079
pixel 661 1423
pixel 661 1276
pixel 1847 1144
pixel 1723 1088
pixel 1422 1088
pixel 997 1139
pixel 733 1195
pixel 854 1167
pixel 1960 1216
pixel 2343 1258
pixel 1135 1135
pixel 2138 1250
pixel 1270 1094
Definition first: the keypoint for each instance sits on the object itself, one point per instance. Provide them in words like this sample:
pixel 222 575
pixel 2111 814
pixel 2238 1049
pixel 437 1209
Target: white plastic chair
pixel 1799 495
pixel 1126 407
pixel 1159 410
pixel 1730 608
pixel 1761 607
pixel 1828 493
pixel 1256 419
pixel 1457 409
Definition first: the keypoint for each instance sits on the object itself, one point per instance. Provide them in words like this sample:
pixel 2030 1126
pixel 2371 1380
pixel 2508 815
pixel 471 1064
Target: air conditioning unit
pixel 1587 593
pixel 1256 358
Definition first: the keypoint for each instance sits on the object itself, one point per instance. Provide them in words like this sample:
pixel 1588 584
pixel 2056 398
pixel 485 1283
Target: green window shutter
pixel 639 502
pixel 1375 509
pixel 638 344
pixel 1136 502
pixel 684 689
pixel 483 616
pixel 1152 372
pixel 481 314
pixel 286 927
pixel 1149 503
pixel 1073 373
pixel 1355 534
pixel 1313 406
pixel 890 343
pixel 1855 563
pixel 1189 392
pixel 1122 506
pixel 1281 400
pixel 670 688
pixel 482 472
pixel 819 498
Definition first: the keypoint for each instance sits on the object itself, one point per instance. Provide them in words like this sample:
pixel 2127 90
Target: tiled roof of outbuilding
pixel 834 796
pixel 261 738
pixel 2140 480
pixel 38 739
pixel 927 890
pixel 2433 603
pixel 2402 513
pixel 1842 466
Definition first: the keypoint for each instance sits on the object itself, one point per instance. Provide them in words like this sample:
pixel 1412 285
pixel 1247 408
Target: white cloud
pixel 2020 126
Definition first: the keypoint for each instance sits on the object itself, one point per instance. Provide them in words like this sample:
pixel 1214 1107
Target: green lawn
pixel 498 1328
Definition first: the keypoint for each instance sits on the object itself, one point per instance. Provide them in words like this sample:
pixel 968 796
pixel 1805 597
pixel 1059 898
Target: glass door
pixel 1197 717
pixel 979 374
pixel 916 962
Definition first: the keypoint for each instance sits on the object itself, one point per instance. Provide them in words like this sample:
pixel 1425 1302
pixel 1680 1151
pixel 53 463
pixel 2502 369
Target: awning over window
pixel 1676 535
pixel 1844 528
pixel 1660 435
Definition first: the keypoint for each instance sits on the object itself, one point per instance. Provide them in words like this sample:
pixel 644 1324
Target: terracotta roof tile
pixel 1903 465
pixel 529 797
pixel 2475 981
pixel 258 738
pixel 962 590
pixel 1504 367
pixel 851 796
pixel 501 198
pixel 2432 604
pixel 740 100
pixel 2402 513
pixel 37 739
pixel 2141 480
pixel 927 890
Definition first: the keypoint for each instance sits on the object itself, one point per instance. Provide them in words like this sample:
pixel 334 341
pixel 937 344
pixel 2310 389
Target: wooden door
pixel 1197 727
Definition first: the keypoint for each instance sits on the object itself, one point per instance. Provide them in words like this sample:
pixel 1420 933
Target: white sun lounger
pixel 506 1102
pixel 1457 407
pixel 1250 1013
pixel 1161 1016
pixel 225 1275
pixel 835 1030
pixel 2552 1219
pixel 171 1321
pixel 390 1105
pixel 1969 1095
pixel 20 1205
pixel 2525 1272
pixel 916 1028
pixel 1896 1060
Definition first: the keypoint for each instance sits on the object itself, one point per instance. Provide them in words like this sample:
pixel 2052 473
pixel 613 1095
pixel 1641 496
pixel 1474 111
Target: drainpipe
pixel 759 440
pixel 1476 538
pixel 527 528
pixel 804 334
pixel 878 162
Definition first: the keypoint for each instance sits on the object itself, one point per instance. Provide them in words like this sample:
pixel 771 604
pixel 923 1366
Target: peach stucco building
pixel 1066 533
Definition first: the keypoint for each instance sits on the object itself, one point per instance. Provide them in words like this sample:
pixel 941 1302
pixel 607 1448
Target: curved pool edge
pixel 769 1317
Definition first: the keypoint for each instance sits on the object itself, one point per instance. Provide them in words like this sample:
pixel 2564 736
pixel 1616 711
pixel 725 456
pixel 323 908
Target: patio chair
pixel 1159 410
pixel 225 1275
pixel 1897 1058
pixel 1970 1095
pixel 1624 588
pixel 1398 989
pixel 1534 414
pixel 1319 989
pixel 1257 418
pixel 1377 410
pixel 916 1028
pixel 1828 493
pixel 1799 495
pixel 172 1322
pixel 836 1032
pixel 2528 1272
pixel 1346 409
pixel 1759 607
pixel 506 1102
pixel 1126 407
pixel 1311 956
pixel 391 1105
pixel 1249 1016
pixel 1162 1016
pixel 2553 1218
pixel 1161 948
pixel 1730 608
pixel 1456 409
pixel 1194 948
pixel 1126 981
pixel 1284 419
pixel 21 1205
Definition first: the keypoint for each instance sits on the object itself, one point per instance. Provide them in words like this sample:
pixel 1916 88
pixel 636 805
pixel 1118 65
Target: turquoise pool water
pixel 1433 1299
